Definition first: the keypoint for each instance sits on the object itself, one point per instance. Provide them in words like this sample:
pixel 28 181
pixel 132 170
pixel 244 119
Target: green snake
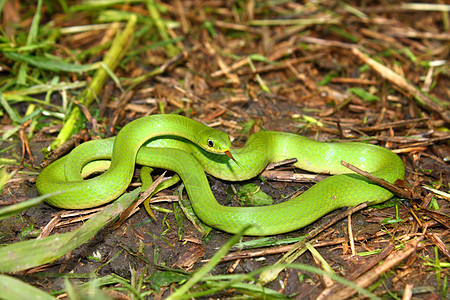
pixel 190 149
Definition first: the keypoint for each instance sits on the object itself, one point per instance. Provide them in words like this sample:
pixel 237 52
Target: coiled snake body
pixel 163 132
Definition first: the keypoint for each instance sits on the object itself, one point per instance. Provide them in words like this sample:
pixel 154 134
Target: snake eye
pixel 210 143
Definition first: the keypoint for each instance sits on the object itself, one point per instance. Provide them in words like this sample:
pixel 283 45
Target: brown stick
pixel 387 185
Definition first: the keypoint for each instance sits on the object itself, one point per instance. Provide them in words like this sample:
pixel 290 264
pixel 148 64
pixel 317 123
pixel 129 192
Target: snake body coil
pixel 172 143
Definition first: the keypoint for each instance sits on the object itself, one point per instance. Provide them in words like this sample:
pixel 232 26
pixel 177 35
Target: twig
pixel 25 144
pixel 438 242
pixel 71 143
pixel 288 176
pixel 437 216
pixel 400 123
pixel 350 234
pixel 387 185
pixel 313 40
pixel 419 35
pixel 134 207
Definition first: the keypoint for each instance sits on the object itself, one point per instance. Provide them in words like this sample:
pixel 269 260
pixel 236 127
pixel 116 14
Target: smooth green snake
pixel 190 148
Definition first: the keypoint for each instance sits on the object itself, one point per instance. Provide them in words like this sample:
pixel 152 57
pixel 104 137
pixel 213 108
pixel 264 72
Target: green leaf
pixel 363 94
pixel 251 195
pixel 14 289
pixel 161 279
pixel 4 177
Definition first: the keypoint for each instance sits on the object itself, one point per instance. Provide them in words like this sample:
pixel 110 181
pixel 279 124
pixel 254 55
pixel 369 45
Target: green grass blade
pixel 34 29
pixel 9 110
pixel 43 88
pixel 161 27
pixel 253 290
pixel 45 63
pixel 14 209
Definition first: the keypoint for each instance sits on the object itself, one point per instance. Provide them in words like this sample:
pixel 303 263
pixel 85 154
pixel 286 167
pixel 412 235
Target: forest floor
pixel 72 71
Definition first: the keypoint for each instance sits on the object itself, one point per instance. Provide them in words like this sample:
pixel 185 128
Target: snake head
pixel 214 141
